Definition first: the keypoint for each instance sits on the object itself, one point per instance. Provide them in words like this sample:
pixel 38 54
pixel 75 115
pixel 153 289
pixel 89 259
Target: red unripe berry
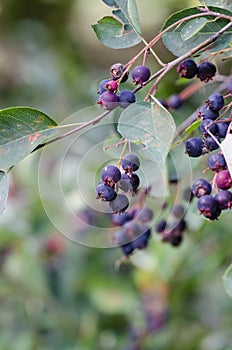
pixel 223 179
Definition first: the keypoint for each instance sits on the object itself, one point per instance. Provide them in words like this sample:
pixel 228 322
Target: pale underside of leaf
pixel 226 4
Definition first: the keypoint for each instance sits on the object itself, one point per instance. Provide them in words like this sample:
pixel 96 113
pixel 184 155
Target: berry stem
pixel 122 153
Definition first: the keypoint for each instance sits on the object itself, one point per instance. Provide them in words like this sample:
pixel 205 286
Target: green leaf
pixel 150 124
pixel 22 129
pixel 192 127
pixel 192 27
pixel 182 38
pixel 226 4
pixel 123 31
pixel 111 33
pixel 227 280
pixel 4 187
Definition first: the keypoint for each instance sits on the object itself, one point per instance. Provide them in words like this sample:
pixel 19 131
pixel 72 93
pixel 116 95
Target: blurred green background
pixel 54 293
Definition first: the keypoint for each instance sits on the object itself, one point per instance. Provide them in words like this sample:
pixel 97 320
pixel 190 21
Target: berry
pixel 224 199
pixel 211 144
pixel 206 71
pixel 111 85
pixel 176 241
pixel 215 102
pixel 108 100
pixel 140 74
pixel 187 69
pixel 216 162
pixel 178 211
pixel 127 249
pixel 145 215
pixel 223 179
pixel 142 241
pixel 206 125
pixel 105 192
pixel 222 127
pixel 207 113
pixel 120 237
pixel 134 181
pixel 125 98
pixel 130 163
pixel 174 101
pixel 102 86
pixel 208 206
pixel 110 174
pixel 119 204
pixel 121 219
pixel 193 147
pixel 133 229
pixel 117 70
pixel 124 183
pixel 201 187
pixel 160 226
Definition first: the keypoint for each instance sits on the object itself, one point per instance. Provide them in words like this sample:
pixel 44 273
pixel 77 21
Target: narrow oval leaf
pixel 22 129
pixel 4 188
pixel 150 124
pixel 227 280
pixel 226 4
pixel 111 33
pixel 175 43
pixel 192 27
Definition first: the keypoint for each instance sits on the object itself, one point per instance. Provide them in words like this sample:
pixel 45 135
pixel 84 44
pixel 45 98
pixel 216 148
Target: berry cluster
pixel 208 113
pixel 113 181
pixel 188 69
pixel 173 232
pixel 134 233
pixel 110 97
pixel 208 205
pixel 205 71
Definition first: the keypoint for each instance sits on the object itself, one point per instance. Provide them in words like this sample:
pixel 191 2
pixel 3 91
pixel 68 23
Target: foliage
pixel 59 294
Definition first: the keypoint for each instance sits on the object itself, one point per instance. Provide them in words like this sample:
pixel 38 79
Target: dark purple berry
pixel 215 102
pixel 105 192
pixel 193 147
pixel 178 211
pixel 124 183
pixel 117 70
pixel 187 69
pixel 180 226
pixel 120 237
pixel 127 249
pixel 121 219
pixel 224 199
pixel 160 226
pixel 130 163
pixel 223 179
pixel 110 175
pixel 108 100
pixel 201 187
pixel 211 144
pixel 174 101
pixel 216 162
pixel 119 204
pixel 208 206
pixel 125 98
pixel 206 125
pixel 207 113
pixel 102 86
pixel 206 71
pixel 140 74
pixel 145 215
pixel 134 181
pixel 176 241
pixel 222 127
pixel 141 242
